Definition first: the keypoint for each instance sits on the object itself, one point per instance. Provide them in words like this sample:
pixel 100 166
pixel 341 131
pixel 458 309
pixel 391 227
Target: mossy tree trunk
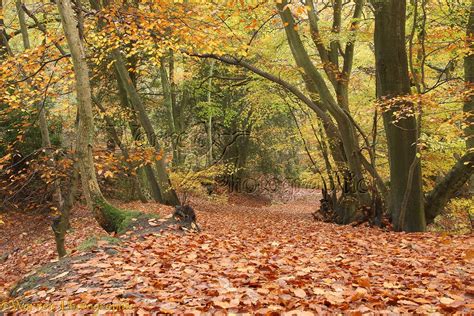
pixel 349 160
pixel 168 194
pixel 402 133
pixel 108 217
pixel 134 125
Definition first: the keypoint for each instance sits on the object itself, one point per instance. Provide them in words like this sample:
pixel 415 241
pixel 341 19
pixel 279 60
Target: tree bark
pixel 402 133
pixel 463 170
pixel 209 121
pixel 116 139
pixel 3 34
pixel 316 82
pixel 61 222
pixel 469 102
pixel 108 217
pixel 170 99
pixel 449 186
pixel 168 194
pixel 135 129
pixel 469 79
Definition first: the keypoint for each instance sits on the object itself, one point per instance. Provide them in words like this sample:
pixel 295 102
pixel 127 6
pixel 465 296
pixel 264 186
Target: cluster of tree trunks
pixel 407 206
pixel 402 132
pixel 108 217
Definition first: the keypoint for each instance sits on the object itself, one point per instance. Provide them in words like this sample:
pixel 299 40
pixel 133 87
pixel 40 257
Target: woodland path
pixel 253 257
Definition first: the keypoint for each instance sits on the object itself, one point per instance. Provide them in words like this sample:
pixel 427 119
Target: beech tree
pixel 109 217
pixel 137 98
pixel 393 85
pixel 462 171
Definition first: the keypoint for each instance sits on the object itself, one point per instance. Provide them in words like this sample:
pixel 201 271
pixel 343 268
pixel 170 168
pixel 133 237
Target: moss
pixel 116 220
pixel 92 242
pixel 127 222
pixel 119 221
pixel 25 284
pixel 112 215
pixel 111 240
pixel 132 218
pixel 88 244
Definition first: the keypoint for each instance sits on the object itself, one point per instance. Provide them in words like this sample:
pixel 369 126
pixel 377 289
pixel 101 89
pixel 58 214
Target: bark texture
pixel 108 217
pixel 402 133
pixel 168 194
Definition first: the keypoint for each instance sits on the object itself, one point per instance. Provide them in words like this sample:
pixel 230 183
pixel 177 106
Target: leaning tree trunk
pixel 163 188
pixel 316 84
pixel 464 168
pixel 168 194
pixel 402 133
pixel 108 217
pixel 135 129
pixel 170 100
pixel 61 223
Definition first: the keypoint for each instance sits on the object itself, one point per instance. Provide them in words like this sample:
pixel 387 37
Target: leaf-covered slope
pixel 260 259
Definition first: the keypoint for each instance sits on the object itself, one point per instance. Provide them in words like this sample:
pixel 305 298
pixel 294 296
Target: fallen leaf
pixel 299 293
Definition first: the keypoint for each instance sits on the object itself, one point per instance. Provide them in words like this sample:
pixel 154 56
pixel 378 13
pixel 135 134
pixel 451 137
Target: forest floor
pixel 251 256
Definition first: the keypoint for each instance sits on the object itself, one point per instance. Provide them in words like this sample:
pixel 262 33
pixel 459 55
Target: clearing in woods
pixel 255 257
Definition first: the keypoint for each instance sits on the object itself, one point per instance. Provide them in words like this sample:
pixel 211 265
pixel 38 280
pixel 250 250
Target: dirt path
pixel 262 258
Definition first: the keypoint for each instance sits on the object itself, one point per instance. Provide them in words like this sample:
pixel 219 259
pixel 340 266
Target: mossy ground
pixel 92 242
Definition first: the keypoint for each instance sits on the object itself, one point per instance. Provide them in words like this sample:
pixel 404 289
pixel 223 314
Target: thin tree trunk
pixel 156 191
pixel 108 217
pixel 168 96
pixel 3 37
pixel 23 25
pixel 469 79
pixel 315 82
pixel 116 139
pixel 168 194
pixel 463 170
pixel 61 223
pixel 402 133
pixel 135 130
pixel 147 169
pixel 209 123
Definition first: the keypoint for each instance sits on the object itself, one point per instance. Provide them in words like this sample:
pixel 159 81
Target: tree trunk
pixel 315 83
pixel 61 223
pixel 43 122
pixel 464 168
pixel 168 194
pixel 135 130
pixel 449 186
pixel 108 217
pixel 3 34
pixel 469 79
pixel 209 121
pixel 116 140
pixel 170 100
pixel 23 25
pixel 402 133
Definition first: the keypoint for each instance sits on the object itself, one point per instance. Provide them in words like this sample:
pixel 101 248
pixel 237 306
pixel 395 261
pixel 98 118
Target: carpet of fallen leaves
pixel 267 259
